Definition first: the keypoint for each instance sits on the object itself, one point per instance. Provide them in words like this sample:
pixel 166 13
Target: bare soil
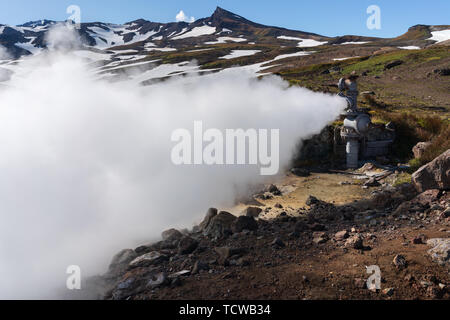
pixel 304 269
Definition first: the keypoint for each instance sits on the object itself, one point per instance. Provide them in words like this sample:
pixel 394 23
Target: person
pixel 349 84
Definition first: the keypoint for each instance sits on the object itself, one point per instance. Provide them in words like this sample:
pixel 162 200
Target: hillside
pixel 215 43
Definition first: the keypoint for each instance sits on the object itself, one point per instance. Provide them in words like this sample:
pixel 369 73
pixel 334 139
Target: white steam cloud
pixel 4 54
pixel 85 164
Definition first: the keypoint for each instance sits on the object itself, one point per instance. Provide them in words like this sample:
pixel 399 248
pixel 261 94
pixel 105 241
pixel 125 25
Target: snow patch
pixel 240 53
pixel 225 30
pixel 410 48
pixel 289 55
pixel 440 36
pixel 346 58
pixel 306 43
pixel 28 46
pixel 354 42
pixel 161 49
pixel 224 39
pixel 289 38
pixel 196 32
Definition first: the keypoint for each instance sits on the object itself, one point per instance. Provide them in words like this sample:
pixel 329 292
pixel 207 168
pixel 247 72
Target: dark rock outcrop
pixel 433 175
pixel 220 226
pixel 245 223
pixel 171 234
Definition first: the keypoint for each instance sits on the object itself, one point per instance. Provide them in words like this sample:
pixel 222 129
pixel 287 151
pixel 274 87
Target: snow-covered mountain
pixel 215 43
pixel 223 26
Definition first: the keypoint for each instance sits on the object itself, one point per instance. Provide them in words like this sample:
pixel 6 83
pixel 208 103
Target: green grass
pixel 402 178
pixel 375 65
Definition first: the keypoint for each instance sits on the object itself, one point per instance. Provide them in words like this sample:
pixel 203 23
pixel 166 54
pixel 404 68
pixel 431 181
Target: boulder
pixel 224 253
pixel 187 245
pixel 245 223
pixel 220 226
pixel 212 212
pixel 273 189
pixel 399 261
pixel 442 72
pixel 440 251
pixel 151 258
pixel 253 212
pixel 427 197
pixel 393 64
pixel 420 148
pixel 171 234
pixel 433 175
pixel 355 242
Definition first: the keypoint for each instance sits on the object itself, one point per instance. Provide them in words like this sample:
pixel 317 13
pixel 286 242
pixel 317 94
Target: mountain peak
pixel 219 10
pixel 222 13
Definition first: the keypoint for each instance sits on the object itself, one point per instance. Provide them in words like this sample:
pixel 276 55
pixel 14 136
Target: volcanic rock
pixel 355 242
pixel 440 251
pixel 220 225
pixel 420 148
pixel 171 234
pixel 187 245
pixel 253 212
pixel 399 261
pixel 151 258
pixel 212 212
pixel 433 175
pixel 245 223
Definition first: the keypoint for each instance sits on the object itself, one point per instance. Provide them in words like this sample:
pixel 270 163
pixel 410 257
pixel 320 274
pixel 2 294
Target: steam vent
pixel 356 140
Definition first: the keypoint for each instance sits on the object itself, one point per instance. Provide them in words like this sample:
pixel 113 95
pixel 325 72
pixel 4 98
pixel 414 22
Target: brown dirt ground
pixel 329 268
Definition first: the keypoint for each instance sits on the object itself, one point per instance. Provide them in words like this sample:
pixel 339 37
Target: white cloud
pixel 181 16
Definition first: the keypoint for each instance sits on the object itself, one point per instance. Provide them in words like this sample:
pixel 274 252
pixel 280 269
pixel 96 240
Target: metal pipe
pixel 352 151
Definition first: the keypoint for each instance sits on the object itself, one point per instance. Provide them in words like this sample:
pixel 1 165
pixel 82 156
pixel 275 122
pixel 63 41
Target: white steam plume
pixel 4 54
pixel 85 164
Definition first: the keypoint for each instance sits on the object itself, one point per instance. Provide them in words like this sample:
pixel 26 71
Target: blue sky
pixel 326 17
